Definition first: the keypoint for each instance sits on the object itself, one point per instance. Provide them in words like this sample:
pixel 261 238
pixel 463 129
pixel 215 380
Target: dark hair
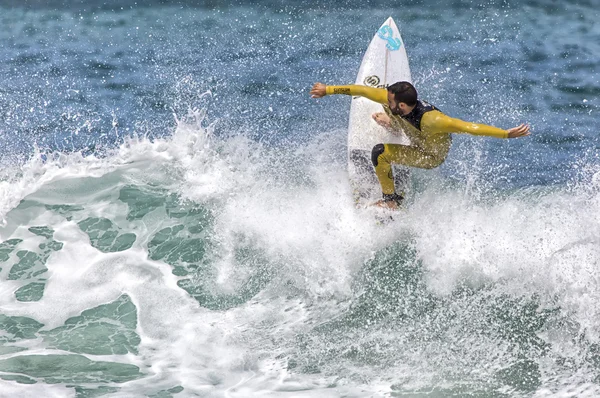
pixel 404 92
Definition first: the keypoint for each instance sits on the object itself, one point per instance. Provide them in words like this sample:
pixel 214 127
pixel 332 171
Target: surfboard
pixel 384 63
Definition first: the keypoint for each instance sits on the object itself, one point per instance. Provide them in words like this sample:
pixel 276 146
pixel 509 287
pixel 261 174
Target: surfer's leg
pixel 384 155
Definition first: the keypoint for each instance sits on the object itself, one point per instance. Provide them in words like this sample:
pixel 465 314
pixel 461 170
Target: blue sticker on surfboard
pixel 386 33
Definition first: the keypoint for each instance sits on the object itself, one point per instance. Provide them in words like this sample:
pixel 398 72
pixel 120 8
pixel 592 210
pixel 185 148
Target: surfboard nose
pixel 389 33
pixel 390 22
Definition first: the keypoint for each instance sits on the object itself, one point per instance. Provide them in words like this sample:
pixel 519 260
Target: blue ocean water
pixel 177 219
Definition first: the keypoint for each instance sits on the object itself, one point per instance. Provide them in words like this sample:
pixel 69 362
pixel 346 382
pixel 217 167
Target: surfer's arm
pixel 379 95
pixel 437 122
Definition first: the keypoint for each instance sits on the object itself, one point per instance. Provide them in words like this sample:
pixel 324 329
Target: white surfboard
pixel 384 63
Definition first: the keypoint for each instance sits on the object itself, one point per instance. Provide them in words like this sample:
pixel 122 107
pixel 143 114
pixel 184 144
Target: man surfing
pixel 427 128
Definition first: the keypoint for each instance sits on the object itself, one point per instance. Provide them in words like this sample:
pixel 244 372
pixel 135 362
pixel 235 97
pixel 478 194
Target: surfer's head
pixel 402 97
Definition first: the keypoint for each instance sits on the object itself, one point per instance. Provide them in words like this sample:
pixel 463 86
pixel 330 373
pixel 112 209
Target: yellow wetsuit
pixel 427 128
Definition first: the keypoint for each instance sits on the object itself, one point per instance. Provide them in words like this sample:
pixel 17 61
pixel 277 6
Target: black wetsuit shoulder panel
pixel 415 116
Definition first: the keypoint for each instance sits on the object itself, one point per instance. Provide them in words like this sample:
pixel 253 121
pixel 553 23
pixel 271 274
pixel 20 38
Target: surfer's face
pixel 397 108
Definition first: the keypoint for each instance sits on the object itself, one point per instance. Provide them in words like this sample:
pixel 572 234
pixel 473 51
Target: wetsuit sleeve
pixel 374 94
pixel 437 122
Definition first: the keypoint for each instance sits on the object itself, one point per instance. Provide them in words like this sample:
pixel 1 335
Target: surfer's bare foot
pixel 382 119
pixel 386 204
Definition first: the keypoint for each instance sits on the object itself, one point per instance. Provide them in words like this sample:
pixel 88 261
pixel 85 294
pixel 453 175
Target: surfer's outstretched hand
pixel 519 131
pixel 382 119
pixel 318 90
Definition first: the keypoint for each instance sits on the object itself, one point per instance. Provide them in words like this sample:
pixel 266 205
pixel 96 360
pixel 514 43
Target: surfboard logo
pixel 386 33
pixel 372 81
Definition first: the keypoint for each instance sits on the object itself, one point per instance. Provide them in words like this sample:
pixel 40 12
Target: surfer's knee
pixel 377 150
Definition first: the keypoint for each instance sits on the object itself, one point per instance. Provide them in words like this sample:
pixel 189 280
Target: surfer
pixel 427 128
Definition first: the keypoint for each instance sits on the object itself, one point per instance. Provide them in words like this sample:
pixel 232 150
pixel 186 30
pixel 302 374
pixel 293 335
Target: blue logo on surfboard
pixel 386 33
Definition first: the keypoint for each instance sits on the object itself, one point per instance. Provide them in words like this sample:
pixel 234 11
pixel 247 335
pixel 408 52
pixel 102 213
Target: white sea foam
pixel 293 205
